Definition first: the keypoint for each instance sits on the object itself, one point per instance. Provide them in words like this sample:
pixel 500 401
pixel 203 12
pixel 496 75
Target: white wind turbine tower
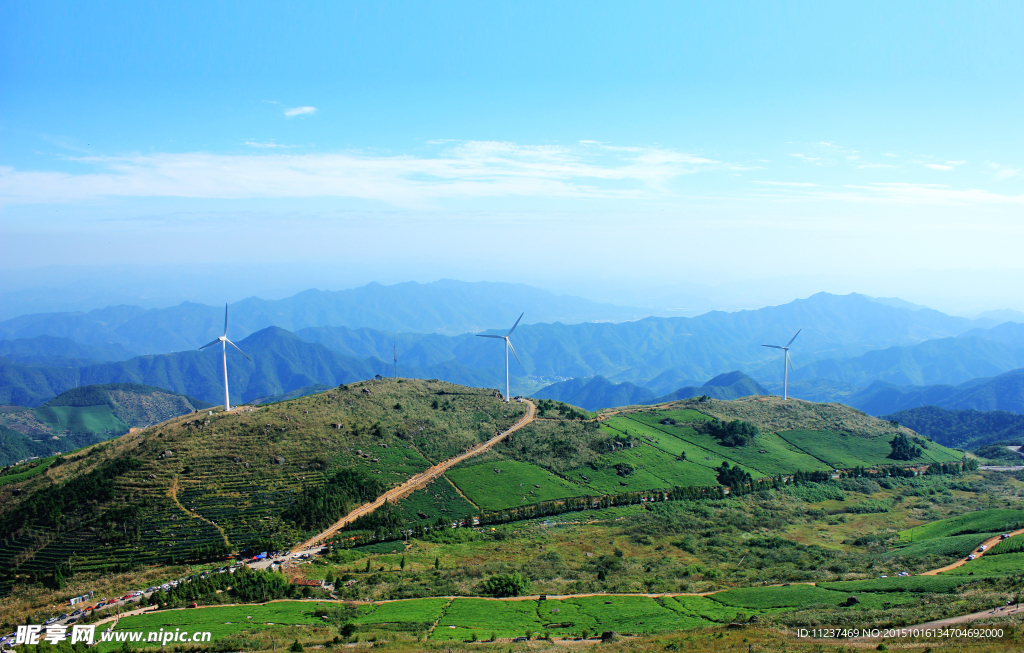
pixel 508 345
pixel 224 342
pixel 786 364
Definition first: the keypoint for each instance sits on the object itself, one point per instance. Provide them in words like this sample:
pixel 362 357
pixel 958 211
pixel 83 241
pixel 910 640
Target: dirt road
pixel 418 481
pixel 989 543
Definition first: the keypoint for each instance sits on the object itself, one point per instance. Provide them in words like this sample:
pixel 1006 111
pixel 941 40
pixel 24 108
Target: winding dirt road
pixel 989 543
pixel 419 480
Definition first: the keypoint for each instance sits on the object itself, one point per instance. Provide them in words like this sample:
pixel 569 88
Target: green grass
pixel 219 621
pixel 779 457
pixel 506 618
pixel 932 584
pixel 701 607
pixel 93 419
pixel 798 596
pixel 632 614
pixel 438 499
pixel 1013 545
pixel 955 546
pixel 416 611
pixel 997 520
pixel 655 469
pixel 1001 565
pixel 38 467
pixel 846 450
pixel 514 486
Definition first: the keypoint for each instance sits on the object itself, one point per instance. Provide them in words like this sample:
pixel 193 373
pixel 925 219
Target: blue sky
pixel 580 146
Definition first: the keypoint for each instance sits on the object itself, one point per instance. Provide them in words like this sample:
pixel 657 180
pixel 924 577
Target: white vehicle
pixel 49 621
pixel 982 547
pixel 1004 536
pixel 971 557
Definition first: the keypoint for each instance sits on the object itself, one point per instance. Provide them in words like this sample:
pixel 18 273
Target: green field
pixel 933 584
pixel 779 457
pixel 654 469
pixel 418 612
pixel 505 618
pixel 94 419
pixel 989 565
pixel 32 468
pixel 1013 545
pixel 438 499
pixel 998 520
pixel 955 546
pixel 846 450
pixel 516 484
pixel 800 596
pixel 220 621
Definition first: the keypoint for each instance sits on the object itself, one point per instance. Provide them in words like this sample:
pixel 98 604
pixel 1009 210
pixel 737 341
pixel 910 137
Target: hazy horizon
pixel 679 156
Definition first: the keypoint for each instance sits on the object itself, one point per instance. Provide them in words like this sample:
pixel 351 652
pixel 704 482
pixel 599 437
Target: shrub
pixel 513 584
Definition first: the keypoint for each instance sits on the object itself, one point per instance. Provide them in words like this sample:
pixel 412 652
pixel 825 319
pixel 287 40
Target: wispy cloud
pixel 268 145
pixel 938 166
pixel 1004 172
pixel 796 184
pixel 299 111
pixel 462 170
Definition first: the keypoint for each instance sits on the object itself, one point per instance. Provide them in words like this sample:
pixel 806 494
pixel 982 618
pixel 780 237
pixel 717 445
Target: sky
pixel 671 154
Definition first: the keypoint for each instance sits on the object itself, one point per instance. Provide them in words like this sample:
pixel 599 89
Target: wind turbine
pixel 786 364
pixel 508 345
pixel 224 342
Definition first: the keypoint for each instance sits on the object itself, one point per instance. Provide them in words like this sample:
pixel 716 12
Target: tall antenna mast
pixel 395 345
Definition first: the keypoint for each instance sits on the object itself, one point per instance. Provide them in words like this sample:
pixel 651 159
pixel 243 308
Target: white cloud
pixel 270 144
pixel 801 184
pixel 299 111
pixel 1004 172
pixel 875 165
pixel 937 166
pixel 955 163
pixel 465 170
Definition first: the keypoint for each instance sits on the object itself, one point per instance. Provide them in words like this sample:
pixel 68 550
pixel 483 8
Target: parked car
pixel 971 557
pixel 1004 536
pixel 193 605
pixel 982 548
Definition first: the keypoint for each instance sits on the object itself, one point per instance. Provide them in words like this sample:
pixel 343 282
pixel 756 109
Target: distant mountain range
pixel 599 392
pixel 447 307
pixel 848 345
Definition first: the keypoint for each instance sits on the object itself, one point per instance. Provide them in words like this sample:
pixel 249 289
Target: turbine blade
pixel 794 337
pixel 212 343
pixel 515 325
pixel 790 361
pixel 514 350
pixel 773 346
pixel 236 347
pixel 225 319
pixel 480 335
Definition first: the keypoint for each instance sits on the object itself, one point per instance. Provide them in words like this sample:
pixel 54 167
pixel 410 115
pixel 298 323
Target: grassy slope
pixel 244 469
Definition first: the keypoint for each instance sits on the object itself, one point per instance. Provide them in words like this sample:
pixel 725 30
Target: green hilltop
pixel 199 486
